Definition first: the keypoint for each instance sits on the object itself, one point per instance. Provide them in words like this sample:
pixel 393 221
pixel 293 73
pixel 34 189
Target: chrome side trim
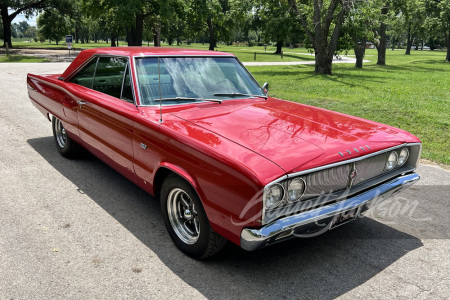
pixel 308 223
pixel 284 177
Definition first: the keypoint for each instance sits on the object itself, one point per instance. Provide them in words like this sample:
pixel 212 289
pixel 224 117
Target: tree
pixel 53 25
pixel 212 15
pixel 31 32
pixel 357 28
pixel 412 17
pixel 131 15
pixel 278 22
pixel 396 32
pixel 322 22
pixel 380 34
pixel 438 21
pixel 27 7
pixel 1 28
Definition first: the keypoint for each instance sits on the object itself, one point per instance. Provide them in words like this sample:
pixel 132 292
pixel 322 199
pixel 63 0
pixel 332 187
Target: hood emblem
pixel 352 175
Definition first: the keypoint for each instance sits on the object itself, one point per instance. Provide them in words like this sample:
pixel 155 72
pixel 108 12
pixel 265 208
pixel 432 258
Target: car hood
pixel 294 136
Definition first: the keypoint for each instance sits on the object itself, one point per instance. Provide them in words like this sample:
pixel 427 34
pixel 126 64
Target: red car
pixel 194 129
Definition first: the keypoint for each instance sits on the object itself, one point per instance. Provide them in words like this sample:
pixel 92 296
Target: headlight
pixel 404 154
pixel 392 161
pixel 273 195
pixel 296 188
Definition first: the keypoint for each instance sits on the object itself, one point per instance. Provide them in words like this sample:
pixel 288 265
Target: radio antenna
pixel 160 97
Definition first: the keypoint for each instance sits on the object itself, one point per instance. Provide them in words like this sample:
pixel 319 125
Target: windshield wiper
pixel 188 99
pixel 239 94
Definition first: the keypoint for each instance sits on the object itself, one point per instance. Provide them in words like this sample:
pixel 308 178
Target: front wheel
pixel 65 145
pixel 186 220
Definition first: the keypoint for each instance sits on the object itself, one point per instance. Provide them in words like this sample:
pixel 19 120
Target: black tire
pixel 65 145
pixel 200 243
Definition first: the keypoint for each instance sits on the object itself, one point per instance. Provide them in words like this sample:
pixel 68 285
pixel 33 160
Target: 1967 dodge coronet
pixel 194 129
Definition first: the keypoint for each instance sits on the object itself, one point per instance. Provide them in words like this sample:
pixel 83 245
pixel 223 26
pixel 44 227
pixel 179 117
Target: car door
pixel 106 113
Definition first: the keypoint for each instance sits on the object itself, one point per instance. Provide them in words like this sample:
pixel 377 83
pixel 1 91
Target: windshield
pixel 193 79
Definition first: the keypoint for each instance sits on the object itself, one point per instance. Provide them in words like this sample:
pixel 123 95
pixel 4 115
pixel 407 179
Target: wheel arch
pixel 165 169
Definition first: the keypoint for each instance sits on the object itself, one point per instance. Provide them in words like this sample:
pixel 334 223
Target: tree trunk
pixel 448 48
pixel 323 62
pixel 77 39
pixel 134 34
pixel 360 51
pixel 212 42
pixel 113 40
pixel 156 34
pixel 178 35
pixel 6 26
pixel 279 47
pixel 409 41
pixel 319 36
pixel 381 47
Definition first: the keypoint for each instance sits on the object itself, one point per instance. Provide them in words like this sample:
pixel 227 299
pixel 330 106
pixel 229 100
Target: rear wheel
pixel 186 220
pixel 65 145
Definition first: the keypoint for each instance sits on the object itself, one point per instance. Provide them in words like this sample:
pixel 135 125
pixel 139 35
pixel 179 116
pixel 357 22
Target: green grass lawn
pixel 21 44
pixel 20 58
pixel 411 92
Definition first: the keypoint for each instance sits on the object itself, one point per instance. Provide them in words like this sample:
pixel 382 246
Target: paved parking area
pixel 73 229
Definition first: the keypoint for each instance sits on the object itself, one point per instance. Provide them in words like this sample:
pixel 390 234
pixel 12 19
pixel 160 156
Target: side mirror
pixel 266 88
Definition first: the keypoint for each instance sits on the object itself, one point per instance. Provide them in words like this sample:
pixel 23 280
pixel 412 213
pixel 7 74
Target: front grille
pixel 369 168
pixel 337 178
pixel 326 181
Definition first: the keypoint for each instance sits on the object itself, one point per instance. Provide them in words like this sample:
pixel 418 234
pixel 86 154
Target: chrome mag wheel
pixel 65 145
pixel 183 216
pixel 60 132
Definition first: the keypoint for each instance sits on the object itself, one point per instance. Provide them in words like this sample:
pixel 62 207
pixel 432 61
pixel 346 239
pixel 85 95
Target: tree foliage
pixel 10 9
pixel 438 21
pixel 53 25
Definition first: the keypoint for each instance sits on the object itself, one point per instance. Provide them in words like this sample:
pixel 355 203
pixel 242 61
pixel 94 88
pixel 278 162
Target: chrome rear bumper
pixel 320 220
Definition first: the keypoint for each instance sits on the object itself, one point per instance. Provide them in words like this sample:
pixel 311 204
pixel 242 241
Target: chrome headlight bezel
pixel 392 154
pixel 268 190
pixel 401 162
pixel 303 189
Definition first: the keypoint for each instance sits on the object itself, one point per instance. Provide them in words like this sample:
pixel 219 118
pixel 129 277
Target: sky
pixel 21 17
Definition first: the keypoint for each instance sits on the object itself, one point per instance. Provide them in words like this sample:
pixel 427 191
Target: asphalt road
pixel 76 229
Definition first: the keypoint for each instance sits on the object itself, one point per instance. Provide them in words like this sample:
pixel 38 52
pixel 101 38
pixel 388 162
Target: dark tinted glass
pixel 109 75
pixel 127 91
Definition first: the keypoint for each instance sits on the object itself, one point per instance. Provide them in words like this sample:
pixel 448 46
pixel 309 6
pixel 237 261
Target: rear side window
pixel 85 76
pixel 109 75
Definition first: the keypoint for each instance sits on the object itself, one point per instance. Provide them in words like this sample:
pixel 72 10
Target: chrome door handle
pixel 80 103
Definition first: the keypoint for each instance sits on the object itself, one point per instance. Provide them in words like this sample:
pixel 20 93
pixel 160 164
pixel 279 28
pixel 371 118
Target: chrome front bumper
pixel 320 220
